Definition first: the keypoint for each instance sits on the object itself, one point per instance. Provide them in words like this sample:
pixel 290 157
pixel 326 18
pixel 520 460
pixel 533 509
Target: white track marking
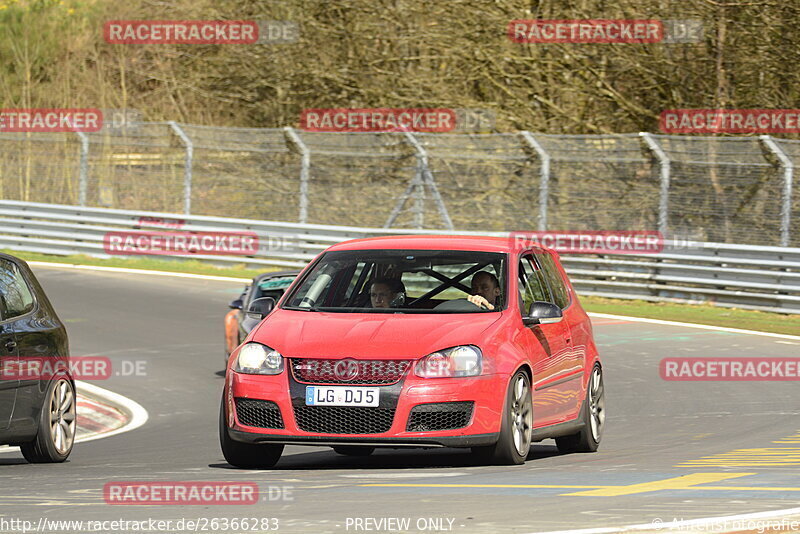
pixel 693 325
pixel 136 413
pixel 137 271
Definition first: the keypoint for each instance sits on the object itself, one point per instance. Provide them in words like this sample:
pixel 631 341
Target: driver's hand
pixel 480 301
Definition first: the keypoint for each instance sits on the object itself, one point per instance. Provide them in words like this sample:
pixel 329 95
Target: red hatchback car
pixel 418 341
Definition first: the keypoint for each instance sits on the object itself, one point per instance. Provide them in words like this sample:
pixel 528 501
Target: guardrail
pixel 742 276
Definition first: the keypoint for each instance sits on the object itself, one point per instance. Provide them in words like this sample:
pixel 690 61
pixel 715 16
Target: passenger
pixel 387 293
pixel 486 290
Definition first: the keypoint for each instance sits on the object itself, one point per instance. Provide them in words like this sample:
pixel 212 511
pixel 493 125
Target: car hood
pixel 369 335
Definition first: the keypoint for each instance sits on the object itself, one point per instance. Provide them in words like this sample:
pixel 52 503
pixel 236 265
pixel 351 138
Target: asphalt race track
pixel 657 431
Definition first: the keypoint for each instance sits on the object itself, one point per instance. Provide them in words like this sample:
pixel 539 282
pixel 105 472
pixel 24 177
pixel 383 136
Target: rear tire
pixel 57 424
pixel 594 417
pixel 516 427
pixel 246 455
pixel 353 450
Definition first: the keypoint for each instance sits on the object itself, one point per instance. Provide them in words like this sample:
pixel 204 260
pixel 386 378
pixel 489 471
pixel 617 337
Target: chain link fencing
pixel 715 189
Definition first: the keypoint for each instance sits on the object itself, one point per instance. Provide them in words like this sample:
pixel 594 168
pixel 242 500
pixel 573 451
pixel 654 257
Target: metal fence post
pixel 187 169
pixel 788 177
pixel 544 173
pixel 305 166
pixel 406 194
pixel 664 173
pixel 426 177
pixel 83 178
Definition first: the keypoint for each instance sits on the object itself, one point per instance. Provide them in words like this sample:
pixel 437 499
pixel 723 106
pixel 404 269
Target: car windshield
pixel 401 281
pixel 272 287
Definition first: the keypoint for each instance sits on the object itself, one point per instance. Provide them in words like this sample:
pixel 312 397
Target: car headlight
pixel 464 360
pixel 258 359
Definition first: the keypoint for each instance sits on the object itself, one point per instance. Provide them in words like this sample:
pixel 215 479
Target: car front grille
pixel 258 413
pixel 440 416
pixel 344 419
pixel 369 372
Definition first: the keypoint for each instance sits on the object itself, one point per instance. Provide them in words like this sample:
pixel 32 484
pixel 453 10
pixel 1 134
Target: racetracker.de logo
pixel 180 243
pixel 161 222
pixel 729 369
pixel 51 120
pixel 182 493
pixel 42 368
pixel 181 32
pixel 595 242
pixel 738 121
pixel 586 31
pixel 378 120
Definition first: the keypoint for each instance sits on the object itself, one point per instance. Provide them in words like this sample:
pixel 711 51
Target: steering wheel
pixel 457 305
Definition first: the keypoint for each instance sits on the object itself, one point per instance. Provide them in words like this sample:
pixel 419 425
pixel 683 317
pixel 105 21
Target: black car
pixel 37 402
pixel 238 323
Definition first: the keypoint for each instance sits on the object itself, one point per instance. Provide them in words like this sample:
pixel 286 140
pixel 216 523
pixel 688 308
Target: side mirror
pixel 543 313
pixel 236 304
pixel 260 308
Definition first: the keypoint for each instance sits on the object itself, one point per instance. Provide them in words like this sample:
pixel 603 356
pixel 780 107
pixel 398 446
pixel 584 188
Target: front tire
pixel 57 424
pixel 246 455
pixel 516 427
pixel 594 418
pixel 353 450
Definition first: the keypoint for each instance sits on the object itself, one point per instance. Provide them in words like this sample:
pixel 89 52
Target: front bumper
pixel 485 392
pixel 475 440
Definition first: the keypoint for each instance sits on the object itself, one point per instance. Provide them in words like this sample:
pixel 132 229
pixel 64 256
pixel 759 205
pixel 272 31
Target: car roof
pixel 473 243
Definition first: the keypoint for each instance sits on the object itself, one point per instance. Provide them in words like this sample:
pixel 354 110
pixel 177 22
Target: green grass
pixel 686 313
pixel 699 314
pixel 146 263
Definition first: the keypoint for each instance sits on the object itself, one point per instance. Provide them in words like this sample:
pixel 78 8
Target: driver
pixel 485 289
pixel 386 293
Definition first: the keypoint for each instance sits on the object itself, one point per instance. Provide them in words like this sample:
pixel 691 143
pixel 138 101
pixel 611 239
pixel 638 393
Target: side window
pixel 16 297
pixel 554 279
pixel 532 286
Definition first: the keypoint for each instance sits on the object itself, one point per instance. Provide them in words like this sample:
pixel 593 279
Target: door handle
pixel 10 345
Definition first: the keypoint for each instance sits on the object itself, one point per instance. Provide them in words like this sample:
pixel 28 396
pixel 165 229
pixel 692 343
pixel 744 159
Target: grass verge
pixel 699 314
pixel 685 313
pixel 145 263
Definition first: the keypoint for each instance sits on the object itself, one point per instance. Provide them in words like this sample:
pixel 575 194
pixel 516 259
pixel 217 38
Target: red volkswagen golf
pixel 422 341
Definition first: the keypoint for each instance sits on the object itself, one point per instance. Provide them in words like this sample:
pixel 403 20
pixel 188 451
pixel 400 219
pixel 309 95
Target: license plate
pixel 341 396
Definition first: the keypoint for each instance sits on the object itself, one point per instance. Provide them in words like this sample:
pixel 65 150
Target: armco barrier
pixel 742 276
